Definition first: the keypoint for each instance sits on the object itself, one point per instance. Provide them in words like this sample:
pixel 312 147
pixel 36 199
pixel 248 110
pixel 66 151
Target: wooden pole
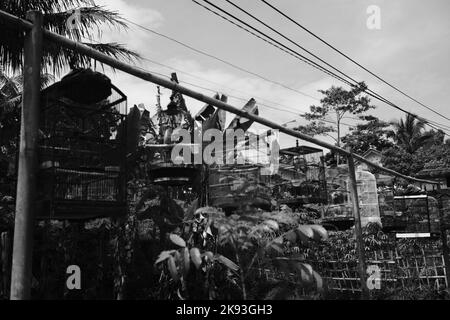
pixel 358 229
pixel 147 76
pixel 26 181
pixel 5 252
pixel 444 238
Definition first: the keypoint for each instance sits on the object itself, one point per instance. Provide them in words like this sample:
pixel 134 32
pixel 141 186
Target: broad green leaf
pixel 320 233
pixel 272 225
pixel 196 257
pixel 277 247
pixel 291 236
pixel 278 240
pixel 209 255
pixel 319 281
pixel 173 269
pixel 186 260
pixel 305 233
pixel 176 239
pixel 227 262
pixel 163 256
pixel 306 272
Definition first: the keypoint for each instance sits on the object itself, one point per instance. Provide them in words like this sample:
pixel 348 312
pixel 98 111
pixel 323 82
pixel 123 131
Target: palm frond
pixel 89 18
pixel 11 90
pixel 115 50
pixel 10 104
pixel 46 80
pixel 9 86
pixel 409 133
pixel 81 22
pixel 58 58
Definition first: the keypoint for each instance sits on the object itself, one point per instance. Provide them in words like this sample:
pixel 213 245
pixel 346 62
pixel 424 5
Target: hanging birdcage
pixel 236 186
pixel 167 172
pixel 410 215
pixel 82 147
pixel 302 172
pixel 165 168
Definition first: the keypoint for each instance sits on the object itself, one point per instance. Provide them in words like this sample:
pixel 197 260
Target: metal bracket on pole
pixel 358 229
pixel 27 174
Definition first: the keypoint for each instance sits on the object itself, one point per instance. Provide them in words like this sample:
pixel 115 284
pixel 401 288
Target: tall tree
pixel 337 102
pixel 372 134
pixel 78 20
pixel 410 135
pixel 414 147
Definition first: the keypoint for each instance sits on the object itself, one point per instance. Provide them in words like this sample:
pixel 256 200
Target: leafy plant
pixel 193 273
pixel 56 16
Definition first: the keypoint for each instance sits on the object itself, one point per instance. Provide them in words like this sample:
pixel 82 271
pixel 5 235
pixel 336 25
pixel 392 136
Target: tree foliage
pixel 399 160
pixel 415 148
pixel 372 134
pixel 232 253
pixel 56 19
pixel 410 135
pixel 338 102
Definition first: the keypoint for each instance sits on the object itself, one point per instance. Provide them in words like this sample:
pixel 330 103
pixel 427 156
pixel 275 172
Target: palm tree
pixel 11 89
pixel 10 100
pixel 57 17
pixel 409 133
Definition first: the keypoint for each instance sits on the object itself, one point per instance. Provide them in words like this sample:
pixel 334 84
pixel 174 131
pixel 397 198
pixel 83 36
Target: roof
pixel 434 173
pixel 369 152
pixel 300 150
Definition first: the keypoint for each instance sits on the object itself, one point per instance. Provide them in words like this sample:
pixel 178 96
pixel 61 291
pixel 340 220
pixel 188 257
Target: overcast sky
pixel 411 51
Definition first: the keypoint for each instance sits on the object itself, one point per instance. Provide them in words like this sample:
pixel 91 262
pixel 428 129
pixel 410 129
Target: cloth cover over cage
pixel 82 148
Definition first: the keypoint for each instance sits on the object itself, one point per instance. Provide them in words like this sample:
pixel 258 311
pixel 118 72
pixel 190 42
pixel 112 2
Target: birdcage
pixel 82 145
pixel 339 210
pixel 302 174
pixel 410 215
pixel 232 187
pixel 172 172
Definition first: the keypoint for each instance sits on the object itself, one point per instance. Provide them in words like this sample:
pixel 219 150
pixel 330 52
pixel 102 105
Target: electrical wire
pixel 271 40
pixel 220 60
pixel 352 60
pixel 368 91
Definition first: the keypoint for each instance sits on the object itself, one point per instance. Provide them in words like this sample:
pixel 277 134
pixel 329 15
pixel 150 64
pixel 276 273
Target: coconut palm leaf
pixel 409 133
pixel 58 17
pixel 11 90
pixel 81 22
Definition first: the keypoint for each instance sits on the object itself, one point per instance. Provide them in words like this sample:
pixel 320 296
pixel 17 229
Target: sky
pixel 410 50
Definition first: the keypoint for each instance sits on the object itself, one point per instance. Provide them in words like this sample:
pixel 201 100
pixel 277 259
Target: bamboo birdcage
pixel 302 173
pixel 235 186
pixel 82 148
pixel 412 214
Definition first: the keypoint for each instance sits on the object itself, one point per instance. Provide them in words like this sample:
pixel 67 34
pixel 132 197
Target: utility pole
pixel 27 174
pixel 358 229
